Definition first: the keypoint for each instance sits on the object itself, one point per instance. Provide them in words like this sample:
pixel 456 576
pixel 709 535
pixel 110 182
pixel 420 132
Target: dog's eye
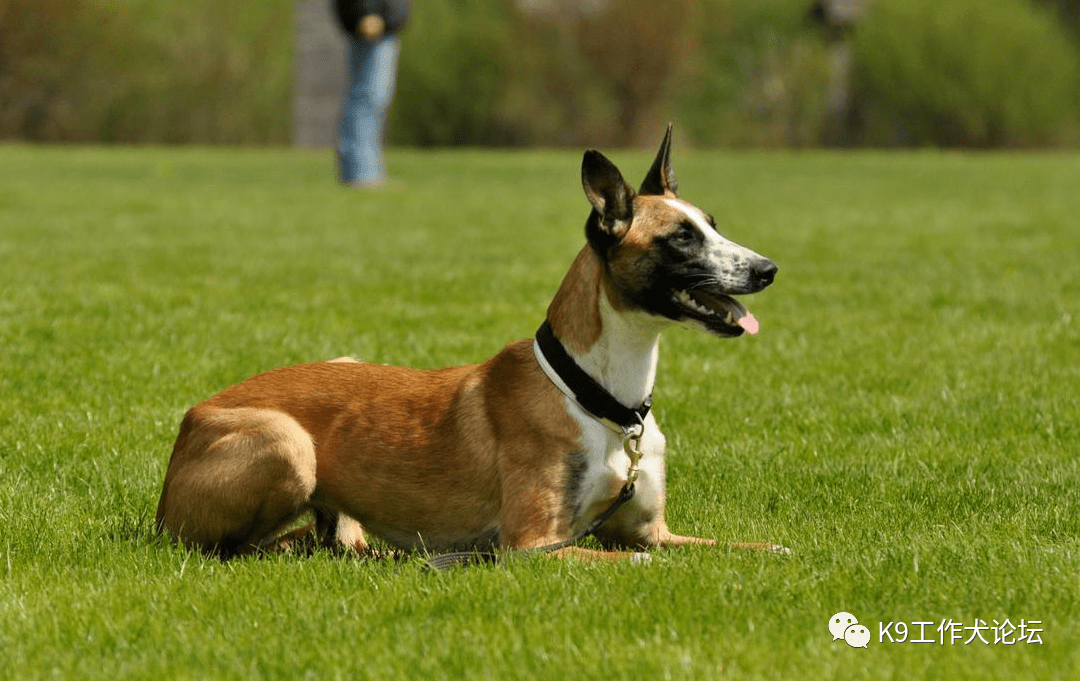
pixel 686 234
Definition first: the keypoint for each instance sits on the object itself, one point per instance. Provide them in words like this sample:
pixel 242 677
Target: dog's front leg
pixel 662 537
pixel 678 540
pixel 658 535
pixel 534 516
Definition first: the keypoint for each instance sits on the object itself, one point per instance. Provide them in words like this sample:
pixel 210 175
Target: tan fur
pixel 236 471
pixel 652 218
pixel 397 448
pixel 573 310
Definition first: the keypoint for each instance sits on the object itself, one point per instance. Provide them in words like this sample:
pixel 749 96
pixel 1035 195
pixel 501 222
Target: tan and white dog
pixel 522 451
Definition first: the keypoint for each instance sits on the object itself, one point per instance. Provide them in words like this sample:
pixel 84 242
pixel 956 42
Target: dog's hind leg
pixel 236 479
pixel 339 531
pixel 330 531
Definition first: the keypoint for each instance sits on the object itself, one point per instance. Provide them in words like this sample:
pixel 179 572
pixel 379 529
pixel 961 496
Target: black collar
pixel 590 395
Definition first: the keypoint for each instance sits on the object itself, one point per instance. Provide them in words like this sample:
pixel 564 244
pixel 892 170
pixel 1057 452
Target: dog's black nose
pixel 764 271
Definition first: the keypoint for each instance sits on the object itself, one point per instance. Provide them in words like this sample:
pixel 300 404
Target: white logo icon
pixel 844 625
pixel 857 636
pixel 839 622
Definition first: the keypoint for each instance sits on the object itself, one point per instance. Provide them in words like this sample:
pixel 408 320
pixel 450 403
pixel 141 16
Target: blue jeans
pixel 372 71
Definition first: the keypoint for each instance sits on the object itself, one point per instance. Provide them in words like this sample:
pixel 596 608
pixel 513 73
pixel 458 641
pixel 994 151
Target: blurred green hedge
pixel 965 73
pixel 731 73
pixel 146 71
pixel 484 72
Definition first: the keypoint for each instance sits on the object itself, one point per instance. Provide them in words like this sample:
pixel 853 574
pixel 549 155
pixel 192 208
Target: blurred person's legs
pixel 372 72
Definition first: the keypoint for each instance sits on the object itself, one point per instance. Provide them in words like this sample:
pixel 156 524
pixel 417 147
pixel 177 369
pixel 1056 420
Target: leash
pixel 583 389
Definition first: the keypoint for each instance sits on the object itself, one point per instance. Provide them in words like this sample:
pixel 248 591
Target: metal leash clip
pixel 632 446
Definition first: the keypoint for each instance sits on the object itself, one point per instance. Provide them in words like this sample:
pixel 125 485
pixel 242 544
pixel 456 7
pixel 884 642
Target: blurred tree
pixel 638 50
pixel 968 73
pixel 624 56
pixel 1068 10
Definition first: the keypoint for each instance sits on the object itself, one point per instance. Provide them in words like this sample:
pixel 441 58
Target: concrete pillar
pixel 320 75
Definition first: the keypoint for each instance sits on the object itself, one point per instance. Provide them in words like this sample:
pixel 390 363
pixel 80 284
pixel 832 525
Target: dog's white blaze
pixel 697 217
pixel 730 259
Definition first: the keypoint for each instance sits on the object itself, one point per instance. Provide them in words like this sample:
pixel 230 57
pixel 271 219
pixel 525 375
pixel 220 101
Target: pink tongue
pixel 749 323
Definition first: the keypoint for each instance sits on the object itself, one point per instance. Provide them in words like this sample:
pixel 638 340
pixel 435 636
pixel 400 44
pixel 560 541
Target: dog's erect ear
pixel 607 191
pixel 660 179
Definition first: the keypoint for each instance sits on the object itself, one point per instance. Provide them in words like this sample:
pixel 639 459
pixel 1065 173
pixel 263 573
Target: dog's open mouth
pixel 718 311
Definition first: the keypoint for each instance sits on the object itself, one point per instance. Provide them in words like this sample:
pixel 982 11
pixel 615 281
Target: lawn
pixel 907 422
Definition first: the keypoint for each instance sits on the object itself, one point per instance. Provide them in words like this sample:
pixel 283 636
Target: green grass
pixel 908 420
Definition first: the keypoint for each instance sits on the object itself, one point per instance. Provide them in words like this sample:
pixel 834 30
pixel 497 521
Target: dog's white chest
pixel 604 465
